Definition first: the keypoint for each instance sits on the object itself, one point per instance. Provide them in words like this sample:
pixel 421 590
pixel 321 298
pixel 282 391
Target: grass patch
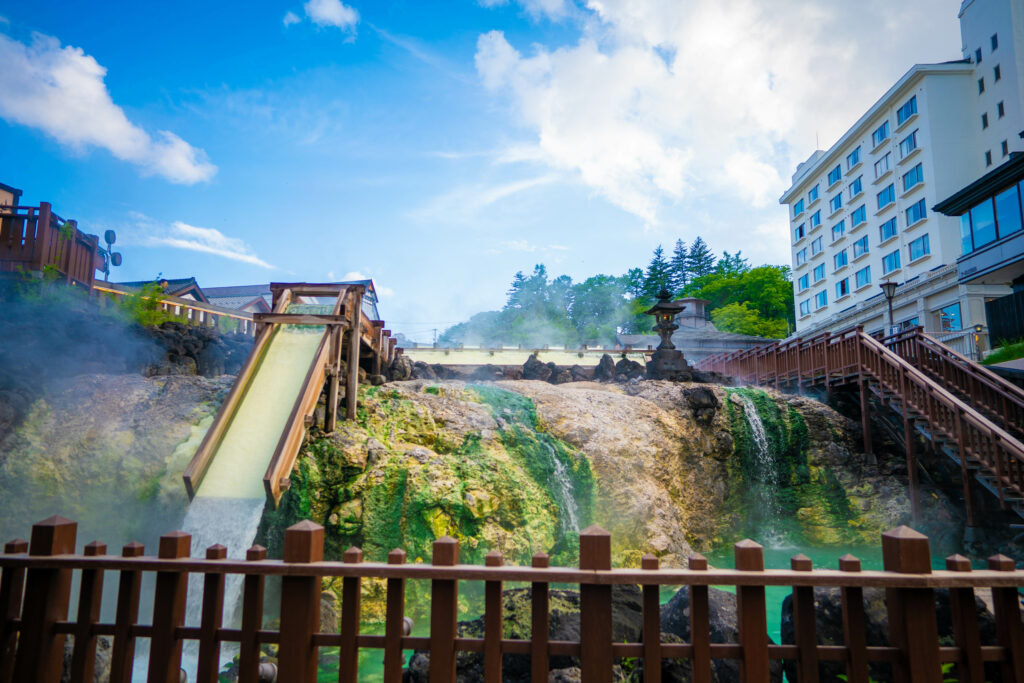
pixel 1005 352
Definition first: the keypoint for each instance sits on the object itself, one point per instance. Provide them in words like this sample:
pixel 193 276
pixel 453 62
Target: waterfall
pixel 563 490
pixel 763 495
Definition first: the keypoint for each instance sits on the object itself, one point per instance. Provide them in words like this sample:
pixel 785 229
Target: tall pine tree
pixel 658 276
pixel 679 267
pixel 701 260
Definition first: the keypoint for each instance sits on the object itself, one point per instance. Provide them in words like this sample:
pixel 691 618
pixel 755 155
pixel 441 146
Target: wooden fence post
pixel 90 596
pixel 1008 626
pixel 539 627
pixel 964 612
pixel 40 650
pixel 700 623
pixel 651 633
pixel 804 624
pixel 252 619
pixel 351 601
pixel 444 603
pixel 12 583
pixel 354 340
pixel 300 605
pixel 169 611
pixel 493 626
pixel 596 608
pixel 129 583
pixel 208 665
pixel 750 612
pixel 854 625
pixel 913 626
pixel 394 622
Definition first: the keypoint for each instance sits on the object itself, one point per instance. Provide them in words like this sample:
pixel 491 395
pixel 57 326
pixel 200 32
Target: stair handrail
pixel 975 368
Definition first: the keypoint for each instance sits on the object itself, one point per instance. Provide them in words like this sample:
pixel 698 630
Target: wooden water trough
pixel 347 334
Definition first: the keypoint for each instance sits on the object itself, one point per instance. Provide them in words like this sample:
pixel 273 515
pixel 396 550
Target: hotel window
pixel 908 145
pixel 812 196
pixel 949 318
pixel 906 111
pixel 842 287
pixel 887 229
pixel 1008 216
pixel 821 299
pixel 1000 109
pixel 880 135
pixel 801 256
pixel 891 262
pixel 996 74
pixel 834 176
pixel 798 208
pixel 913 177
pixel 804 282
pixel 819 273
pixel 863 277
pixel 984 121
pixel 995 46
pixel 860 247
pixel 992 219
pixel 853 158
pixel 916 212
pixel 988 158
pixel 977 56
pixel 856 187
pixel 1005 147
pixel 859 215
pixel 838 230
pixel 815 219
pixel 883 165
pixel 839 260
pixel 798 233
pixel 918 248
pixel 805 307
pixel 835 203
pixel 981 85
pixel 886 196
pixel 816 247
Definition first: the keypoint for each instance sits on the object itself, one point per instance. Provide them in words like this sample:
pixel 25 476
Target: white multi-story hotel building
pixel 861 211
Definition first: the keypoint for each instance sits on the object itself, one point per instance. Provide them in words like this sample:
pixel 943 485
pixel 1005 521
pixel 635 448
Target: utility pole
pixel 435 336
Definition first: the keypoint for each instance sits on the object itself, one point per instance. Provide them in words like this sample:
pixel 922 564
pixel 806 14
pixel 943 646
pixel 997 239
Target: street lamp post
pixel 889 290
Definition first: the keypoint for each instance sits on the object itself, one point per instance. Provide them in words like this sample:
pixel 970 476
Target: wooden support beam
pixel 352 385
pixel 299 319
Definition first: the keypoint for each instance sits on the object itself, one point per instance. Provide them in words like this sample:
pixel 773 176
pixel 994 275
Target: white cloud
pixel 354 275
pixel 290 18
pixel 332 13
pixel 662 100
pixel 147 232
pixel 61 91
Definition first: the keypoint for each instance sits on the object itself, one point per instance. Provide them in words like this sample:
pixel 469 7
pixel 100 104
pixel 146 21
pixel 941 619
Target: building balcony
pixel 882 177
pixel 913 153
pixel 906 123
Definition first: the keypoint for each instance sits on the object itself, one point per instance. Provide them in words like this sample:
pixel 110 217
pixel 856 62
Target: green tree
pixel 701 260
pixel 600 306
pixel 679 267
pixel 731 264
pixel 658 275
pixel 740 318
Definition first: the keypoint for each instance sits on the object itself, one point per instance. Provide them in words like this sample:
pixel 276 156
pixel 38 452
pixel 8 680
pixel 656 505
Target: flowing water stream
pixel 765 503
pixel 562 488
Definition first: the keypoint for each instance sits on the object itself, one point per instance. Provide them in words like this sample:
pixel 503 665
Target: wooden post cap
pixel 174 546
pixel 540 560
pixel 256 553
pixel 749 555
pixel 53 536
pixel 133 549
pixel 17 545
pixel 95 549
pixel 1001 563
pixel 216 552
pixel 958 563
pixel 494 559
pixel 906 551
pixel 304 542
pixel 801 563
pixel 352 556
pixel 849 563
pixel 446 552
pixel 697 562
pixel 595 549
pixel 396 556
pixel 649 561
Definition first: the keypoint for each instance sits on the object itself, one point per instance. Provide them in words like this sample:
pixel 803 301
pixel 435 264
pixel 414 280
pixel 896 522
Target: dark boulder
pixel 533 368
pixel 421 370
pixel 579 374
pixel 605 370
pixel 104 658
pixel 703 402
pixel 627 369
pixel 561 377
pixel 401 368
pixel 487 373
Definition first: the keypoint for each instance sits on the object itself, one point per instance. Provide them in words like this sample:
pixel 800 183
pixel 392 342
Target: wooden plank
pixel 252 619
pixel 751 615
pixel 90 596
pixel 1008 624
pixel 169 598
pixel 300 605
pixel 804 625
pixel 539 622
pixel 129 582
pixel 352 385
pixel 348 653
pixel 596 608
pixel 913 625
pixel 700 623
pixel 964 614
pixel 493 625
pixel 299 319
pixel 854 625
pixel 443 613
pixel 651 634
pixel 40 653
pixel 12 584
pixel 213 613
pixel 394 622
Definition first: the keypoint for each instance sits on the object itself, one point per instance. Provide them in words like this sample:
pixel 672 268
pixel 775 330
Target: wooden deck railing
pixel 855 357
pixel 34 238
pixel 37 577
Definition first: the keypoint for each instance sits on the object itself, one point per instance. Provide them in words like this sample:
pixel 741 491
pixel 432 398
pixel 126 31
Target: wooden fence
pixel 33 238
pixel 37 576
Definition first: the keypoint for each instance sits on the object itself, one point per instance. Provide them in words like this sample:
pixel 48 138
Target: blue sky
pixel 437 147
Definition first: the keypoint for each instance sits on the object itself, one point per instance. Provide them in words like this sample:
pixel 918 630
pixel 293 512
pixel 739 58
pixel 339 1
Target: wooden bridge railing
pixel 855 357
pixel 37 577
pixel 34 238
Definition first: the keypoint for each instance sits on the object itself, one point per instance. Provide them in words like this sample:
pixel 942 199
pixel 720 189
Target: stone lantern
pixel 667 362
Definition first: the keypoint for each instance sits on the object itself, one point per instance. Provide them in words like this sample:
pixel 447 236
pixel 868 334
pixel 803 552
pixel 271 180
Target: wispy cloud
pixel 61 91
pixel 552 9
pixel 465 203
pixel 147 232
pixel 290 18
